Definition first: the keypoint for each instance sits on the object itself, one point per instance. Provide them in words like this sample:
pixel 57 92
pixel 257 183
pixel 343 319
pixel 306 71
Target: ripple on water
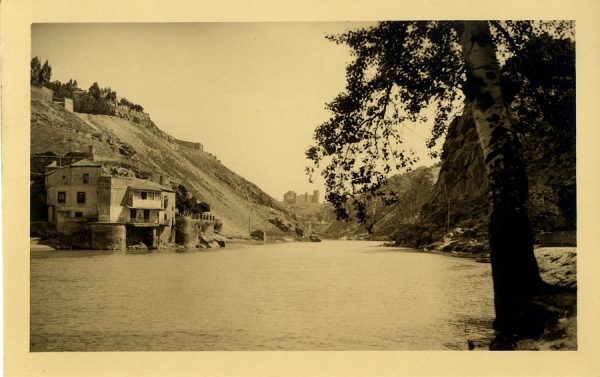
pixel 337 295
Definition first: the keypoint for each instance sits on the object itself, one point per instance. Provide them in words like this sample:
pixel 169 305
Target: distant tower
pixel 315 196
pixel 289 197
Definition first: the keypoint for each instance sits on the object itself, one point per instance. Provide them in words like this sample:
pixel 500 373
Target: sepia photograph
pixel 393 185
pixel 287 189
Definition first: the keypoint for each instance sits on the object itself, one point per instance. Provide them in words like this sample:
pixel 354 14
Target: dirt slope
pixel 145 149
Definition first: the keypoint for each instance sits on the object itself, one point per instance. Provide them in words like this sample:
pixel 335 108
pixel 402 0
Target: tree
pixel 94 91
pixel 40 74
pixel 402 70
pixel 45 74
pixel 35 71
pixel 186 203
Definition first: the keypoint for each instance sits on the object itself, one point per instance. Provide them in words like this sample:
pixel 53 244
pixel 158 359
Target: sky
pixel 251 93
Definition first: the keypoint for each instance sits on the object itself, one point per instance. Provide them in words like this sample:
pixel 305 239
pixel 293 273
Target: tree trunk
pixel 514 268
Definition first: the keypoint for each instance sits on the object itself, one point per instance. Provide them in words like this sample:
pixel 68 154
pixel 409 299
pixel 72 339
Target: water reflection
pixel 336 295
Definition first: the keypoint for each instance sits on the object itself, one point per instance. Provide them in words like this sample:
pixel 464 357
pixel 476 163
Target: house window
pixel 62 197
pixel 86 178
pixel 80 197
pixel 146 215
pixel 132 214
pixel 166 202
pixel 78 214
pixel 144 195
pixel 165 217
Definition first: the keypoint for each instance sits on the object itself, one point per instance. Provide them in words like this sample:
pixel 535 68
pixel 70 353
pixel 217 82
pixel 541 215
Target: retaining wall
pixel 107 236
pixel 189 232
pixel 564 238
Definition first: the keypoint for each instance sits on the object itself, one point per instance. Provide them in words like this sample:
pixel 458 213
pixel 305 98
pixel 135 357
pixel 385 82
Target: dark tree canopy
pixel 40 74
pixel 403 72
pixel 187 204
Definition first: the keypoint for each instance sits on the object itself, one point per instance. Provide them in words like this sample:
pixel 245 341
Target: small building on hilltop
pixel 291 197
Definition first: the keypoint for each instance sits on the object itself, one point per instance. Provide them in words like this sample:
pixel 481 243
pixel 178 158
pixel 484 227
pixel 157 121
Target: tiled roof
pixel 81 163
pixel 86 162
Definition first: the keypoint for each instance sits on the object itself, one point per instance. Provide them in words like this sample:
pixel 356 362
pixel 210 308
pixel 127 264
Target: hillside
pixel 143 148
pixel 413 190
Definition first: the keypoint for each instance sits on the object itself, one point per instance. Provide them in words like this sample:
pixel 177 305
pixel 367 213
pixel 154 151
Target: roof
pixel 86 162
pixel 81 163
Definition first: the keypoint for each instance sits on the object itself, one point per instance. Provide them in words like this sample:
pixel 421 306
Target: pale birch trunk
pixel 514 268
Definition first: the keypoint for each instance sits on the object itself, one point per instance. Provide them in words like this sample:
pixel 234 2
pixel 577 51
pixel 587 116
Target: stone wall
pixel 165 236
pixel 68 104
pixel 74 231
pixel 565 238
pixel 189 144
pixel 107 236
pixel 192 233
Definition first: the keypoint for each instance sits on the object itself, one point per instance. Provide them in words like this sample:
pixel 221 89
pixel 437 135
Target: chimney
pixel 91 152
pixel 161 179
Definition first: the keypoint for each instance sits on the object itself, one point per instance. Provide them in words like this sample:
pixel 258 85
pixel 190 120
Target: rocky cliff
pixel 124 146
pixel 460 194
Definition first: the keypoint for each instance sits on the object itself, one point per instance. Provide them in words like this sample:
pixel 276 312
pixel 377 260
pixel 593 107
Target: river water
pixel 333 295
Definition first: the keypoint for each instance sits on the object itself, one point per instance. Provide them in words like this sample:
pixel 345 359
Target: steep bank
pixel 144 149
pixel 413 190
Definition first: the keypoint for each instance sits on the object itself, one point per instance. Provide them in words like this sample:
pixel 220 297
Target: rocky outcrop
pixel 287 226
pixel 459 196
pixel 558 265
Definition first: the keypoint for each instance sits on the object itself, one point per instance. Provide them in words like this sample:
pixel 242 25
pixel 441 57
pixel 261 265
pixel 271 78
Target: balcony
pixel 145 217
pixel 144 199
pixel 145 203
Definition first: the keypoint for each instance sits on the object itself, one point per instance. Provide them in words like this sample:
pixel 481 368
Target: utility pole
pixel 448 218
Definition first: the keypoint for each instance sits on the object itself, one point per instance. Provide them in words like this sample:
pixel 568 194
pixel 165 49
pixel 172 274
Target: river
pixel 333 295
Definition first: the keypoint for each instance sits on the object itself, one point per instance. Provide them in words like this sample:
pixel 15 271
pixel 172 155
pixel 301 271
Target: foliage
pixel 542 206
pixel 187 204
pixel 542 78
pixel 133 106
pixel 401 72
pixel 412 235
pixel 61 90
pixel 95 100
pixel 40 74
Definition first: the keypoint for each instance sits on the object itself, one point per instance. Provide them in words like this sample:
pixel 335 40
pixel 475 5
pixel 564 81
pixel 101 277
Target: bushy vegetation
pixel 133 106
pixel 188 204
pixel 95 100
pixel 412 235
pixel 40 74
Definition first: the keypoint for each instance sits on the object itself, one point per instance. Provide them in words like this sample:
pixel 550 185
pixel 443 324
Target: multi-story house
pixel 81 201
pixel 72 193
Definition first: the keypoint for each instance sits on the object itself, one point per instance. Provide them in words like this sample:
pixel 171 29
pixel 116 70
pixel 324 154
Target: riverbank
pixel 36 245
pixel 558 267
